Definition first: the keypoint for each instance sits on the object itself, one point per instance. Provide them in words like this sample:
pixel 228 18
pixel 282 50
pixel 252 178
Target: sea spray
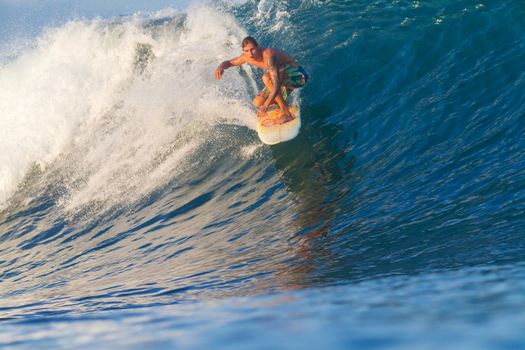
pixel 105 98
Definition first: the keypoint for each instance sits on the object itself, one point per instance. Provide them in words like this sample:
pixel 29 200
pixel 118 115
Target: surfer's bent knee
pixel 258 101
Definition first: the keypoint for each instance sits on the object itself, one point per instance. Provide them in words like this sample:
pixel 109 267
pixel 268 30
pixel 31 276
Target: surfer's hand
pixel 262 111
pixel 218 73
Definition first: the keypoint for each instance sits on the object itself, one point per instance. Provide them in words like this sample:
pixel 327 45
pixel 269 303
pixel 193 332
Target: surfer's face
pixel 250 50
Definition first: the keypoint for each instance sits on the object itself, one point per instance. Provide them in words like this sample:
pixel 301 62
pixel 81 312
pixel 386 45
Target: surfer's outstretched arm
pixel 237 61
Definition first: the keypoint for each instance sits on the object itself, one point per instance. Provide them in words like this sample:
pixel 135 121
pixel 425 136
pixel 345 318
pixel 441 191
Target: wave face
pixel 139 207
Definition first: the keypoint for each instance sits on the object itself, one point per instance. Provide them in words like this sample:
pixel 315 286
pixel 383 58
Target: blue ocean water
pixel 140 210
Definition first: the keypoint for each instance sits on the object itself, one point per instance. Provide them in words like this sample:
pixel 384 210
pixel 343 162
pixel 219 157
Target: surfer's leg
pixel 279 98
pixel 262 96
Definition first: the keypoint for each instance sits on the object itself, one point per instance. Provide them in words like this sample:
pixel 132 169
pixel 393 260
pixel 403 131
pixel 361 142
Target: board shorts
pixel 294 77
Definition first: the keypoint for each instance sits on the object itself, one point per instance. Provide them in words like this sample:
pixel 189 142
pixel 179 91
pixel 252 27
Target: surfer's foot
pixel 286 117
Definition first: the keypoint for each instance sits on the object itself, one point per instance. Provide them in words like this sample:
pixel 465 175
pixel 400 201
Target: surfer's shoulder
pixel 269 57
pixel 279 57
pixel 268 52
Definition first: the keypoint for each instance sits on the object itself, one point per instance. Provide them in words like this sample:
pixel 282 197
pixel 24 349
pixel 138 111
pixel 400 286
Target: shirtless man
pixel 283 71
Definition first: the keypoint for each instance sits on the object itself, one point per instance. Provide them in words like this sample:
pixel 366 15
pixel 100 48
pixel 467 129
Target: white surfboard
pixel 272 130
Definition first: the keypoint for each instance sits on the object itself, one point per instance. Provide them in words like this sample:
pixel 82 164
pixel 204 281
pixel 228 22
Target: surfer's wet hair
pixel 249 39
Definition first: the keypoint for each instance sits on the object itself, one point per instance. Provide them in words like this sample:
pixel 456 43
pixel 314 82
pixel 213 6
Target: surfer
pixel 283 75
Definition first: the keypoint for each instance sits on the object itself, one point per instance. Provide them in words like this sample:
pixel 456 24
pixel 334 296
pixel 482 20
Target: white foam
pixel 77 101
pixel 250 151
pixel 273 15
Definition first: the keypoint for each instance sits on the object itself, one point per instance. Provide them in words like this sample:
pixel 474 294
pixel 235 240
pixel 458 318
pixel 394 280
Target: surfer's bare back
pixel 283 71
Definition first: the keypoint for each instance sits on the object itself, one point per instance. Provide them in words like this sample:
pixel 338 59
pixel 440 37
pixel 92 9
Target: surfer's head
pixel 250 47
pixel 248 40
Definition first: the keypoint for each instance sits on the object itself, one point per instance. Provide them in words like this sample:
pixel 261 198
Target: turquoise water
pixel 140 210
